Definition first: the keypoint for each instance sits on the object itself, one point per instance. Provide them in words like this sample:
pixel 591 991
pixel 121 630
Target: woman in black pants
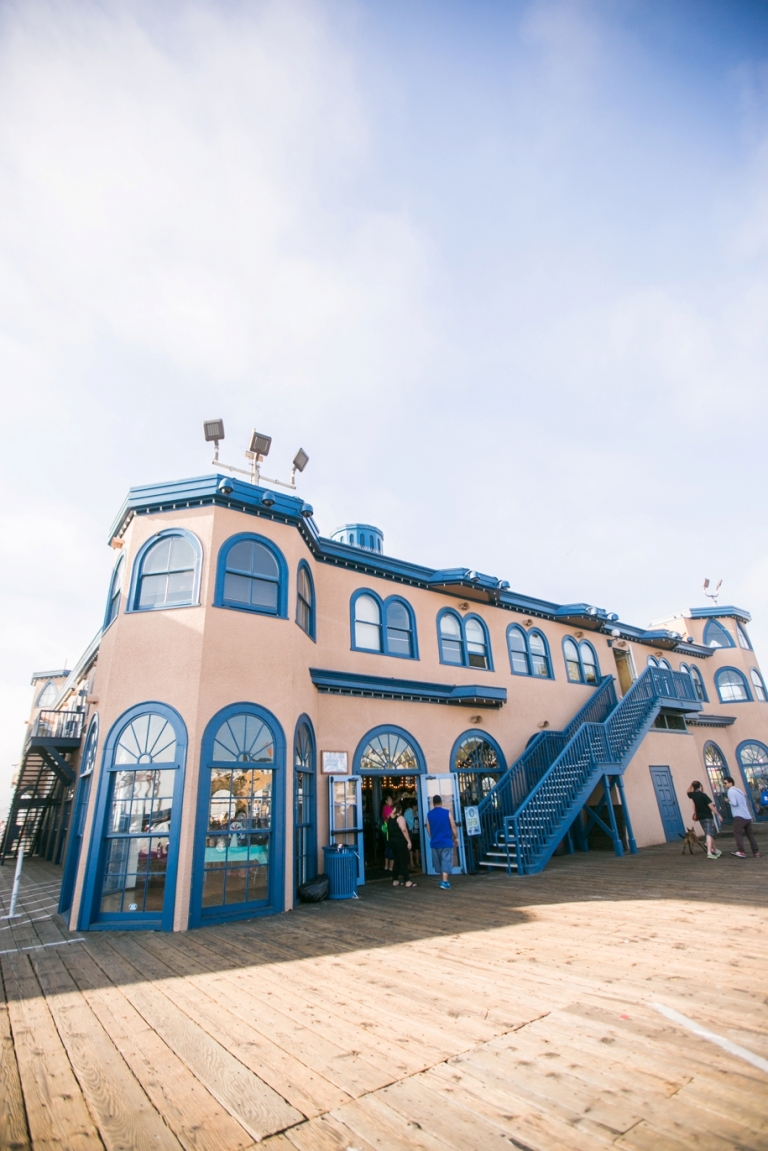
pixel 400 842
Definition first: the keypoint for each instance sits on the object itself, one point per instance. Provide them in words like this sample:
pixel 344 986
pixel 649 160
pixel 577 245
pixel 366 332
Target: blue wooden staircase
pixel 534 804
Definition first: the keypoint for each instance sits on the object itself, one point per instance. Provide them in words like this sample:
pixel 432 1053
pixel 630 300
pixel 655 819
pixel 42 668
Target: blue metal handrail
pixel 530 767
pixel 595 749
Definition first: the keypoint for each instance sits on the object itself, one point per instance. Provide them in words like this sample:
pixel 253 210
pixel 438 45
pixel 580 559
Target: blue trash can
pixel 341 869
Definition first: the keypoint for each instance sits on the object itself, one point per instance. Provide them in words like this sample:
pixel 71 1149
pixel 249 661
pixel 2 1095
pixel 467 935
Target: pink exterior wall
pixel 201 659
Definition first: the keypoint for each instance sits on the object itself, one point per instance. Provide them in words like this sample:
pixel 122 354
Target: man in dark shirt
pixel 703 813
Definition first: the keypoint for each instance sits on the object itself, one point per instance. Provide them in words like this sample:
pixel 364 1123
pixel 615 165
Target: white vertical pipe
pixel 16 881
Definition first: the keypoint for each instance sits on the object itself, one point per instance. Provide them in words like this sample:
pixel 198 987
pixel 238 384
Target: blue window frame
pixel 79 812
pixel 240 824
pixel 717 769
pixel 166 572
pixel 479 761
pixel 252 575
pixel 758 685
pixel 384 627
pixel 744 640
pixel 47 695
pixel 652 661
pixel 115 592
pixel 581 664
pixel 134 849
pixel 304 803
pixel 305 599
pixel 732 686
pixel 528 652
pixel 389 750
pixel 698 682
pixel 715 635
pixel 463 642
pixel 753 761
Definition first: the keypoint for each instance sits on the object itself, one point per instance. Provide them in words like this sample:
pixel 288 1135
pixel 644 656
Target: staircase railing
pixel 547 812
pixel 529 768
pixel 58 725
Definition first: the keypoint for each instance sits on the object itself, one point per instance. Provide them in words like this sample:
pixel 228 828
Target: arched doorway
pixel 304 804
pixel 239 838
pixel 388 761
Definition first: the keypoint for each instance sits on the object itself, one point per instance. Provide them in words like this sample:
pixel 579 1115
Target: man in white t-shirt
pixel 742 820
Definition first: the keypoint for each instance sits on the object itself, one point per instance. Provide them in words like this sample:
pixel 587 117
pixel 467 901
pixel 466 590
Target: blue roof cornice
pixel 719 613
pixel 414 691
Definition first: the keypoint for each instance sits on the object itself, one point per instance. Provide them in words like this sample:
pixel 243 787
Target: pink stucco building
pixel 256 689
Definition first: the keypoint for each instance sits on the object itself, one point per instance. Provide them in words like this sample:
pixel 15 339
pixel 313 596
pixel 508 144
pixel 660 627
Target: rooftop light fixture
pixel 258 449
pixel 713 595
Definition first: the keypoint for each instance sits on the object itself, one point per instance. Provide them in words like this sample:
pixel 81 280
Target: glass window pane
pixel 237 589
pixel 398 642
pixel 743 637
pixel 264 594
pixel 180 587
pixel 397 616
pixel 182 554
pixel 368 636
pixel 450 627
pixel 757 683
pixel 731 686
pixel 367 610
pixel 156 559
pixel 152 591
pixel 451 651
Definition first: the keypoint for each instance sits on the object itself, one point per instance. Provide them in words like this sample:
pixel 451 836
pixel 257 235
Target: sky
pixel 501 268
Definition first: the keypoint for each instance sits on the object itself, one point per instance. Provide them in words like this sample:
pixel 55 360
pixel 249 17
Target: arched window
pixel 715 635
pixel 698 684
pixel 665 665
pixel 305 601
pixel 115 590
pixel 731 686
pixel 572 661
pixel 477 643
pixel 589 662
pixel 304 830
pixel 252 576
pixel 717 769
pixel 463 642
pixel 167 572
pixel 743 637
pixel 47 696
pixel 238 863
pixel 518 650
pixel 399 629
pixel 757 685
pixel 451 639
pixel 753 761
pixel 652 661
pixel 134 878
pixel 367 627
pixel 528 653
pixel 387 626
pixel 389 751
pixel 479 763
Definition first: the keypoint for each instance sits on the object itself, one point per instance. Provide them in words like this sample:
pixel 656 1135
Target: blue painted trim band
pixel 384 687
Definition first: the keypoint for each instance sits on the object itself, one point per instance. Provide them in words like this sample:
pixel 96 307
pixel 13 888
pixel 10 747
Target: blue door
pixel 669 808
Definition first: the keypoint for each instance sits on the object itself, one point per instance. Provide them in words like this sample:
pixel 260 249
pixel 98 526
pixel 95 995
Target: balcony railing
pixel 58 725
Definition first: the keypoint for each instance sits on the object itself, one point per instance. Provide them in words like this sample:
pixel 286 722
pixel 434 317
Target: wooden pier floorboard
pixel 506 1013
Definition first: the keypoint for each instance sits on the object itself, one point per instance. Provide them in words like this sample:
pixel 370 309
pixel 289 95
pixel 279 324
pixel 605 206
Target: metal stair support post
pixel 618 846
pixel 627 820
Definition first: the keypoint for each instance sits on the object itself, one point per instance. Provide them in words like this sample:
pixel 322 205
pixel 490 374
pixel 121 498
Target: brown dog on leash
pixel 689 839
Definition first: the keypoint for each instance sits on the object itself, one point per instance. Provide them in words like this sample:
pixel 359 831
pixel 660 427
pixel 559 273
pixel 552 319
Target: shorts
pixel 442 859
pixel 707 826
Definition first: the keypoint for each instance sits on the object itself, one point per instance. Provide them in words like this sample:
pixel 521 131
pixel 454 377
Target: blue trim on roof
pixel 464 582
pixel 729 612
pixel 415 691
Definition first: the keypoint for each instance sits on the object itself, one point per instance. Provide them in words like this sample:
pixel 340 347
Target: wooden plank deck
pixel 504 1014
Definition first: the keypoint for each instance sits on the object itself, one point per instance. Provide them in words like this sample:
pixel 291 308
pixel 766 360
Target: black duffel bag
pixel 314 890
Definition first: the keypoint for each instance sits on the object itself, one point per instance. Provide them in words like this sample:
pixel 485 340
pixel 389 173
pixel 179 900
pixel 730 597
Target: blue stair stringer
pixel 532 807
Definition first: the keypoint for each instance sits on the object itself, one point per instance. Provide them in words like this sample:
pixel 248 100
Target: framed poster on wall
pixel 335 763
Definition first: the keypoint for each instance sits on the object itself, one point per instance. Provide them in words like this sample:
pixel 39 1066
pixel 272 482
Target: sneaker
pixel 739 854
pixel 445 886
pixel 756 854
pixel 714 855
pixel 718 854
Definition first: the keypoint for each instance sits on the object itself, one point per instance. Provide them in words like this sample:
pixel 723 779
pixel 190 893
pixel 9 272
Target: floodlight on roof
pixel 213 430
pixel 259 444
pixel 300 460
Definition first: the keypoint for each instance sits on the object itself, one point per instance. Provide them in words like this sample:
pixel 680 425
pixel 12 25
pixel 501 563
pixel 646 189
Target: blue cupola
pixel 360 536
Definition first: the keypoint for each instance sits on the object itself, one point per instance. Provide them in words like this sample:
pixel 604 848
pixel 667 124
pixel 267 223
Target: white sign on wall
pixel 335 763
pixel 471 821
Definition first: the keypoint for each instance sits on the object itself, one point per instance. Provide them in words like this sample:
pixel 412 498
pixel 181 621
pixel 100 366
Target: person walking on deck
pixel 443 837
pixel 742 820
pixel 400 842
pixel 705 817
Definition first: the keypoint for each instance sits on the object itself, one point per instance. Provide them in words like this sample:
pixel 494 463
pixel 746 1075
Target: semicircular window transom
pixel 244 738
pixel 476 754
pixel 389 752
pixel 148 738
